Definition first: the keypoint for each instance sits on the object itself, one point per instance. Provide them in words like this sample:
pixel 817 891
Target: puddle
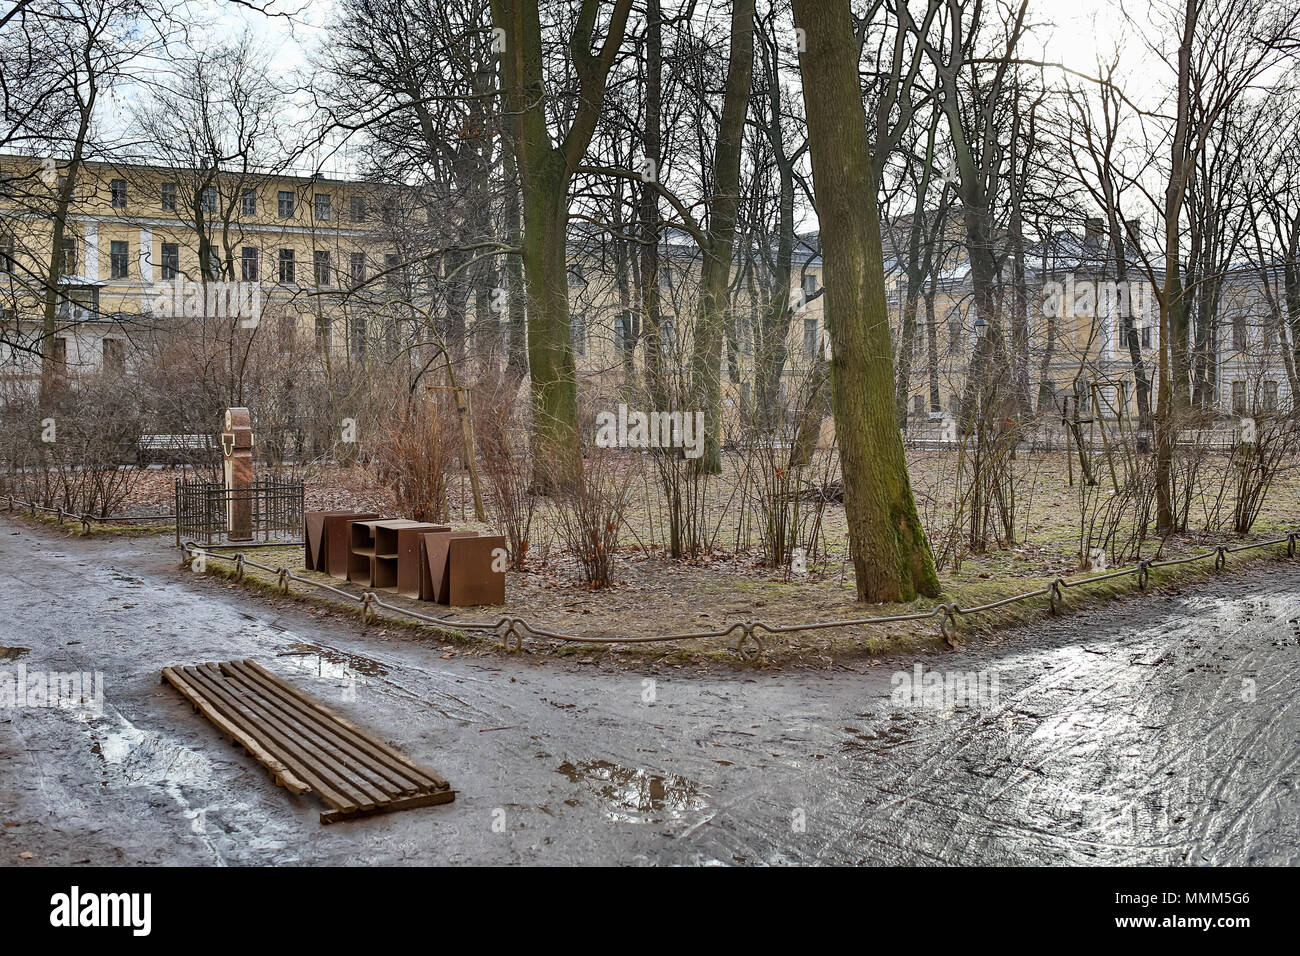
pixel 138 757
pixel 636 796
pixel 13 653
pixel 324 662
pixel 143 756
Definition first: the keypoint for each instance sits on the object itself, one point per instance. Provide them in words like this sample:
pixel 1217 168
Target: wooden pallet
pixel 305 745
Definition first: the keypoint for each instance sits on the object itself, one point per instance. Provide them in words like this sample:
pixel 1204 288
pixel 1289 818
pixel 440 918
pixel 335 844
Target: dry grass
pixel 654 595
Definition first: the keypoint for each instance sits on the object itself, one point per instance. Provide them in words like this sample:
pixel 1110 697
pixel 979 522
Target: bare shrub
pixel 410 456
pixel 1256 464
pixel 504 450
pixel 70 452
pixel 589 513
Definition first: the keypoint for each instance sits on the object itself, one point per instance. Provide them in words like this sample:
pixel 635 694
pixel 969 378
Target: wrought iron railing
pixel 273 508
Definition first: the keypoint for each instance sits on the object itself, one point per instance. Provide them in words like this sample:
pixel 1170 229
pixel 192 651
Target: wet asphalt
pixel 1161 729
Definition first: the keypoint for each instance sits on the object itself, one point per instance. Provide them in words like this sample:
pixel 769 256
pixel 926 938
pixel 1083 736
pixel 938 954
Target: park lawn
pixel 653 594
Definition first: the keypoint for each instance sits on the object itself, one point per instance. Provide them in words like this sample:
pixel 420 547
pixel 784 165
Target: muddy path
pixel 1157 730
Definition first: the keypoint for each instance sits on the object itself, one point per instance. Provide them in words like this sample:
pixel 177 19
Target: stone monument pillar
pixel 237 446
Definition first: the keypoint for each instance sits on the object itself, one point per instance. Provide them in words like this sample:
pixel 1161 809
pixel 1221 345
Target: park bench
pixel 171 449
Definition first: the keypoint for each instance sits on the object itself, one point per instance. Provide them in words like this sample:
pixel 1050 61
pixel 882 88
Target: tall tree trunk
pixel 545 175
pixel 551 362
pixel 513 269
pixel 1173 394
pixel 891 557
pixel 63 201
pixel 932 348
pixel 651 305
pixel 773 331
pixel 715 273
pixel 906 347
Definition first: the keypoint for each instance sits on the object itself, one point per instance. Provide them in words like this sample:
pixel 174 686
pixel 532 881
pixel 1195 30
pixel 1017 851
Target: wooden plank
pixel 426 774
pixel 403 775
pixel 307 746
pixel 284 776
pixel 406 803
pixel 250 730
pixel 316 743
pixel 325 764
pixel 329 791
pixel 387 778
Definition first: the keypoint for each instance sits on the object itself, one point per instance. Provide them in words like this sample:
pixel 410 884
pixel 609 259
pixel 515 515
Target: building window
pixel 357 208
pixel 69 264
pixel 954 332
pixel 623 332
pixel 1146 336
pixel 357 268
pixel 117 189
pixel 392 269
pixel 809 284
pixel 248 270
pixel 1270 396
pixel 284 202
pixel 208 199
pixel 286 265
pixel 1239 397
pixel 745 335
pixel 119 259
pixel 1082 398
pixel 578 331
pixel 169 197
pixel 918 405
pixel 171 260
pixel 810 337
pixel 667 334
pixel 1239 333
pixel 322 206
pixel 114 356
pixel 6 253
pixel 357 336
pixel 248 202
pixel 321 261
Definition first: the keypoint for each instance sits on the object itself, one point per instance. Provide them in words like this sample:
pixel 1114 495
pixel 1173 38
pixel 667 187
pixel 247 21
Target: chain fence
pixel 512 630
pixel 85 519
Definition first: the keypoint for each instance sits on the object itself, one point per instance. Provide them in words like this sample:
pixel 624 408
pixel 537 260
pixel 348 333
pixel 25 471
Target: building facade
pixel 149 250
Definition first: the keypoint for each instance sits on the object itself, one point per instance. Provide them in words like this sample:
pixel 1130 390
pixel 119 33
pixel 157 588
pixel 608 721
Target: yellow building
pixel 302 249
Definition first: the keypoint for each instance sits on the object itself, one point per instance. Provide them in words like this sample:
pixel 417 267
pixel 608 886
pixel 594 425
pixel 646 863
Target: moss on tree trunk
pixel 891 557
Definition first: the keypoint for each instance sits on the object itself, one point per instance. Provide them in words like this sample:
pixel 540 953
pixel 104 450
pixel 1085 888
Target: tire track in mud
pixel 1111 722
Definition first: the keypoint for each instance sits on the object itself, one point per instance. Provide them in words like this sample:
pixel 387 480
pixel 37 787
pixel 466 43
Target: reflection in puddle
pixel 636 796
pixel 12 653
pixel 143 757
pixel 138 757
pixel 324 662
